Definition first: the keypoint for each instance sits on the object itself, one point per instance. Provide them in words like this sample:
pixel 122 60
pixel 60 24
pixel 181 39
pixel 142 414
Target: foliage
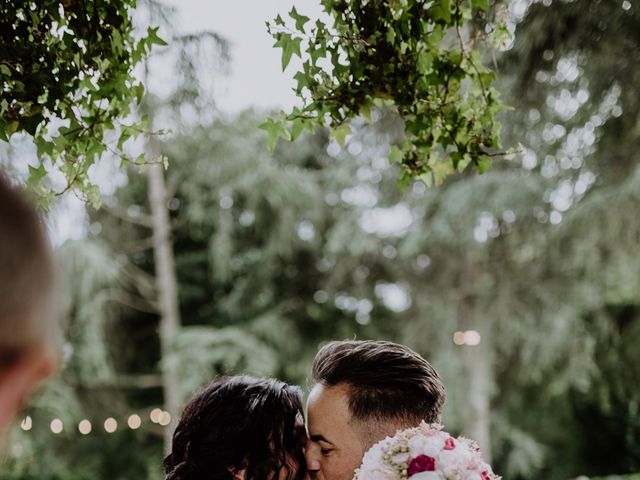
pixel 409 54
pixel 66 70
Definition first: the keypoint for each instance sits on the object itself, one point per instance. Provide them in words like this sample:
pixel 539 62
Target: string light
pixel 110 425
pixel 155 415
pixel 458 338
pixel 165 419
pixel 471 338
pixel 84 427
pixel 56 426
pixel 27 424
pixel 134 421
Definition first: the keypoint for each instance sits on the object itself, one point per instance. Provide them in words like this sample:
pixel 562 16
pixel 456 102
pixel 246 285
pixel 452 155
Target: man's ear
pixel 237 474
pixel 20 377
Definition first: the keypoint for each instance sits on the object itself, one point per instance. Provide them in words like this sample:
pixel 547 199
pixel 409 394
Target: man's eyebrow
pixel 319 438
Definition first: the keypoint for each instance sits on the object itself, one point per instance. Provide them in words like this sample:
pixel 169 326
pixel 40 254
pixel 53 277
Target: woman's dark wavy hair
pixel 239 423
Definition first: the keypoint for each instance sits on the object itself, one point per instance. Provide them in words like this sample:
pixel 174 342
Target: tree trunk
pixel 167 293
pixel 476 360
pixel 478 427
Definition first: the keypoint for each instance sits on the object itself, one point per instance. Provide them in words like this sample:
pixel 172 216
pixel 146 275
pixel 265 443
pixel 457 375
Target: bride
pixel 240 428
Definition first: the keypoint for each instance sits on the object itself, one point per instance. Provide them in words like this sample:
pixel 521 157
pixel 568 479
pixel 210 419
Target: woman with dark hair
pixel 240 428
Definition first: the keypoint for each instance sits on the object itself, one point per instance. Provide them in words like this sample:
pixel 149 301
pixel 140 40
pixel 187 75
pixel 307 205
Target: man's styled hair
pixel 386 382
pixel 26 273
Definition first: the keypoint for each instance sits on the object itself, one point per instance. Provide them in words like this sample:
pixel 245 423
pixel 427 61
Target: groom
pixel 364 391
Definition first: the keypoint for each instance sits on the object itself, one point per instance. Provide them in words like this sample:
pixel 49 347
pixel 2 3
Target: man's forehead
pixel 331 396
pixel 327 406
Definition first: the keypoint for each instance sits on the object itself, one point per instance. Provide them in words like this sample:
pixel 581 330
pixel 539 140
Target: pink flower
pixel 422 463
pixel 449 444
pixel 485 476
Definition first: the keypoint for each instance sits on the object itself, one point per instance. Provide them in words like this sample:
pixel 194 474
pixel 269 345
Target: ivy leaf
pixel 395 154
pixel 481 4
pixel 340 133
pixel 365 111
pixel 426 178
pixel 442 10
pixel 11 128
pixel 3 135
pixel 289 46
pixel 153 38
pixel 300 19
pixel 43 147
pixel 483 164
pixel 30 124
pixel 425 60
pixel 298 126
pixel 274 129
pixel 442 170
pixel 36 174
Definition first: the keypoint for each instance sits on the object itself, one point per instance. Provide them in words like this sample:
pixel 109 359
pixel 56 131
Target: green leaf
pixel 442 170
pixel 124 136
pixel 139 89
pixel 297 128
pixel 365 112
pixel 11 128
pixel 36 174
pixel 395 154
pixel 483 164
pixel 318 52
pixel 289 46
pixel 481 4
pixel 301 20
pixel 302 80
pixel 442 10
pixel 30 124
pixel 425 61
pixel 5 70
pixel 153 38
pixel 43 147
pixel 340 133
pixel 426 178
pixel 391 35
pixel 274 129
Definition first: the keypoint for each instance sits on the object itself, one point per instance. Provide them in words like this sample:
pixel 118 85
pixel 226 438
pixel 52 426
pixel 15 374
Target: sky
pixel 255 78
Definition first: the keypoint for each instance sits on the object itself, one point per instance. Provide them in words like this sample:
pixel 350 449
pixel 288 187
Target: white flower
pixel 472 476
pixel 427 476
pixel 451 462
pixel 400 458
pixel 378 474
pixel 433 446
pixel 416 445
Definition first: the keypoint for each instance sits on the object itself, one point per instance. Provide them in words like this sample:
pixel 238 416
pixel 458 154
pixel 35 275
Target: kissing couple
pixel 372 414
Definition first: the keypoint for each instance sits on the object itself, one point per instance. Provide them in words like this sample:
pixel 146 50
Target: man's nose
pixel 313 464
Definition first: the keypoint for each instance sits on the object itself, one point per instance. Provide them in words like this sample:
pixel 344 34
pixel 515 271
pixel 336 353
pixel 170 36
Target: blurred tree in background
pixel 274 254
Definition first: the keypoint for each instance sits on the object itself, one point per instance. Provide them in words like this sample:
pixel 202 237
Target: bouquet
pixel 424 453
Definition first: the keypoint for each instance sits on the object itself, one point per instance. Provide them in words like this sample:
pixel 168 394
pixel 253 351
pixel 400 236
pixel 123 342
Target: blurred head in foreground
pixel 240 428
pixel 27 319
